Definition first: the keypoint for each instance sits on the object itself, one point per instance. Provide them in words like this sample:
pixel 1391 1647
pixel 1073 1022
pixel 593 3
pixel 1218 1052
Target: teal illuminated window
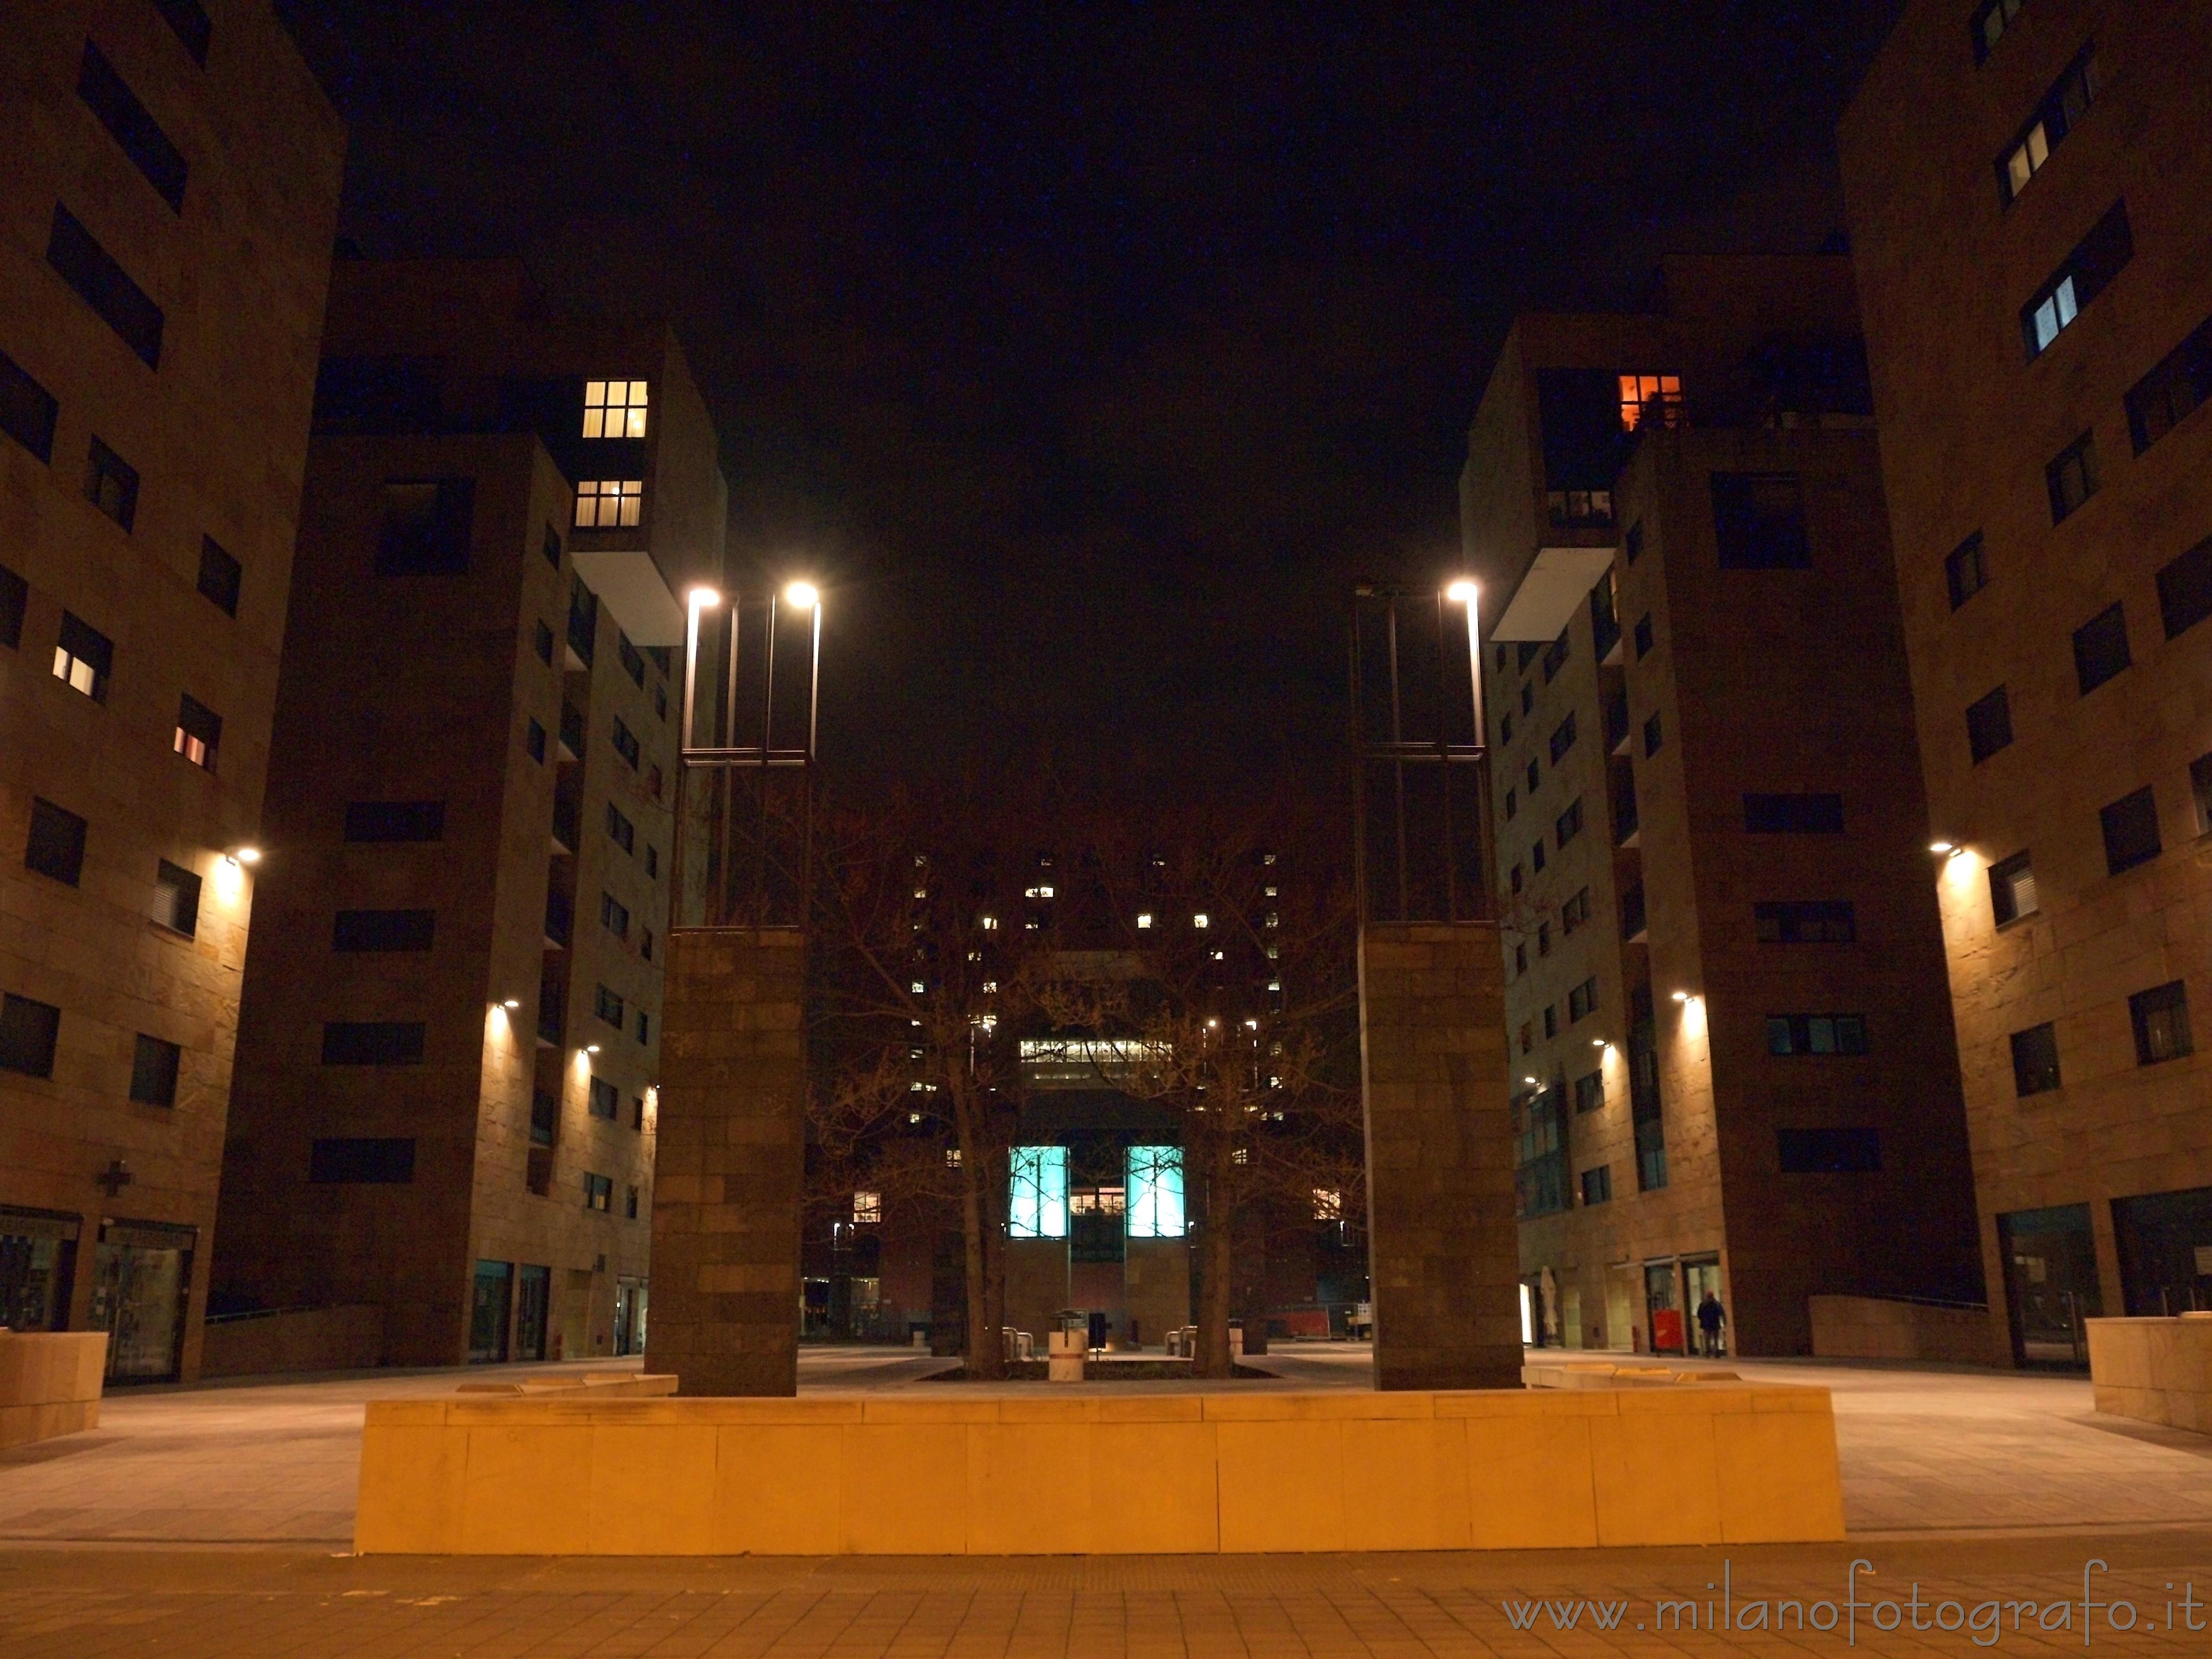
pixel 1036 1202
pixel 1156 1192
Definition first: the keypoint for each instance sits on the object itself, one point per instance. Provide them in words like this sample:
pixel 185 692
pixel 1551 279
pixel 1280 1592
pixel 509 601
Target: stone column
pixel 729 1162
pixel 1442 1245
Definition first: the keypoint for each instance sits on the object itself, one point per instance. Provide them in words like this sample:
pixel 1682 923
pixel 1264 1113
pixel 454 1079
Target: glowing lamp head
pixel 1681 996
pixel 804 595
pixel 511 1003
pixel 703 598
pixel 1597 1043
pixel 1462 590
pixel 1944 849
pixel 591 1048
pixel 243 855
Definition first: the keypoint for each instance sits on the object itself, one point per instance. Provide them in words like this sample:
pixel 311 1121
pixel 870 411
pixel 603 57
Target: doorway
pixel 1619 1309
pixel 142 1284
pixel 533 1295
pixel 2050 1285
pixel 2165 1245
pixel 38 1262
pixel 630 1315
pixel 488 1298
pixel 1701 1277
pixel 1661 1307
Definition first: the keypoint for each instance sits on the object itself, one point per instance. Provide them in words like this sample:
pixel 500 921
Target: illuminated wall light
pixel 1144 919
pixel 1201 919
pixel 591 1048
pixel 511 1003
pixel 244 855
pixel 804 595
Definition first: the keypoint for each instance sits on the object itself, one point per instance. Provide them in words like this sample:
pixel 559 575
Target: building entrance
pixel 2165 1242
pixel 142 1284
pixel 1701 1274
pixel 38 1261
pixel 489 1300
pixel 2050 1284
pixel 533 1298
pixel 1661 1308
pixel 630 1315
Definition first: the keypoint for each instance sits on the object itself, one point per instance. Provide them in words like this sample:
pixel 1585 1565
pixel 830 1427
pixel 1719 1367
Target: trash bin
pixel 1064 1362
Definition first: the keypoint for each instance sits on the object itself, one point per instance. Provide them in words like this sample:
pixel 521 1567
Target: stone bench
pixel 2157 1370
pixel 599 1385
pixel 50 1383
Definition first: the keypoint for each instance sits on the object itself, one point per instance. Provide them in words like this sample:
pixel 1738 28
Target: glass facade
pixel 1155 1190
pixel 1036 1202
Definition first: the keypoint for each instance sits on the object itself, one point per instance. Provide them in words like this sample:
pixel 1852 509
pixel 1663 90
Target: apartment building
pixel 168 197
pixel 1723 956
pixel 450 1033
pixel 2028 184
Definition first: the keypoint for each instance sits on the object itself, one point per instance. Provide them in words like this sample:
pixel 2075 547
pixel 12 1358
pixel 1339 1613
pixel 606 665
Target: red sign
pixel 1666 1330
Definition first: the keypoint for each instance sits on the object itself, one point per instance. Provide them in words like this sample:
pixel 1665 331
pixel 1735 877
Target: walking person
pixel 1711 1317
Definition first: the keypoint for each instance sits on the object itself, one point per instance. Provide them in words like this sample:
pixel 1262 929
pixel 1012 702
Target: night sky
pixel 1087 352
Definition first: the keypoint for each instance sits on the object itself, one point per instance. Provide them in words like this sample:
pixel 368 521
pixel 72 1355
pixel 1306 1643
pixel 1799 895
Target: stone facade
pixel 150 474
pixel 2093 1155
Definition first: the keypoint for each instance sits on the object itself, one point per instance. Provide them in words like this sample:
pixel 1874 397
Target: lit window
pixel 1037 1196
pixel 608 503
pixel 2056 117
pixel 84 657
pixel 1043 892
pixel 1201 919
pixel 1328 1205
pixel 988 924
pixel 1156 1192
pixel 199 733
pixel 2096 259
pixel 1657 396
pixel 1144 919
pixel 867 1208
pixel 919 987
pixel 614 409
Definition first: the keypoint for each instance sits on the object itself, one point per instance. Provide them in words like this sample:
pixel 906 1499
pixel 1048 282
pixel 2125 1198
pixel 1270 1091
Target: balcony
pixel 567 829
pixel 1625 826
pixel 1616 725
pixel 1634 928
pixel 560 920
pixel 552 1028
pixel 1604 626
pixel 572 732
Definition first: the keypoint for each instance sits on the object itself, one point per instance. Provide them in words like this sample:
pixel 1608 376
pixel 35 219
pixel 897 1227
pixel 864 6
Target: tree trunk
pixel 1216 1247
pixel 985 1355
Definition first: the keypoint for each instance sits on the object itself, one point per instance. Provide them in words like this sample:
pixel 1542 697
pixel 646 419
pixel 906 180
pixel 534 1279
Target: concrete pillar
pixel 729 1162
pixel 1442 1245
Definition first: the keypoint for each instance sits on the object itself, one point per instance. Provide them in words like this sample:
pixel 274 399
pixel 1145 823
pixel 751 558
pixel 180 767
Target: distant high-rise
pixel 169 192
pixel 2030 190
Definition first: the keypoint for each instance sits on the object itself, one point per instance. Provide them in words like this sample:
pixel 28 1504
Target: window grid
pixel 614 409
pixel 608 503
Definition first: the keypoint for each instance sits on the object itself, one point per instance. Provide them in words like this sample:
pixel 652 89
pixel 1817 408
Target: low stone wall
pixel 1883 1328
pixel 1167 1473
pixel 50 1383
pixel 344 1339
pixel 2158 1371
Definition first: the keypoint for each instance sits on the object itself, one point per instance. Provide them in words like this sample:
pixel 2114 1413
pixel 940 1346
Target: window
pixel 2167 396
pixel 395 820
pixel 1793 815
pixel 533 739
pixel 1817 922
pixel 550 547
pixel 2071 478
pixel 1563 737
pixel 632 661
pixel 132 126
pixel 626 743
pixel 27 410
pixel 220 575
pixel 56 847
pixel 1528 1036
pixel 2035 1060
pixel 1543 939
pixel 14 601
pixel 1759 521
pixel 1036 1206
pixel 2161 1022
pixel 1966 569
pixel 630 1204
pixel 1652 737
pixel 1655 398
pixel 105 285
pixel 2012 889
pixel 1555 657
pixel 1582 1001
pixel 1829 1151
pixel 1575 912
pixel 2200 791
pixel 608 503
pixel 427 523
pixel 645 944
pixel 543 644
pixel 176 898
pixel 111 484
pixel 1514 878
pixel 154 1072
pixel 1590 1093
pixel 1991 21
pixel 1816 1034
pixel 1505 727
pixel 614 409
pixel 620 829
pixel 83 658
pixel 1536 858
pixel 28 1030
pixel 1632 544
pixel 2184 590
pixel 2081 277
pixel 1512 804
pixel 1643 637
pixel 605 1100
pixel 644 1027
pixel 372 1042
pixel 1533 773
pixel 614 916
pixel 2100 648
pixel 1989 725
pixel 2058 114
pixel 1529 697
pixel 190 20
pixel 1551 1020
pixel 609 1007
pixel 1597 1184
pixel 383 930
pixel 1521 958
pixel 199 733
pixel 1569 823
pixel 2130 826
pixel 361 1163
pixel 583 621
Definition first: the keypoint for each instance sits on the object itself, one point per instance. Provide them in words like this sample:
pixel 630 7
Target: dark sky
pixel 1087 351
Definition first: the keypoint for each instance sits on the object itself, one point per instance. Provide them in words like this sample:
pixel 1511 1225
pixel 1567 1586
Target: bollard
pixel 1064 1362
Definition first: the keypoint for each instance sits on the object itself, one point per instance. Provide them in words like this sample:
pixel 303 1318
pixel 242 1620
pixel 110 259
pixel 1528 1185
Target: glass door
pixel 38 1262
pixel 488 1309
pixel 142 1284
pixel 532 1299
pixel 1701 1277
pixel 2051 1282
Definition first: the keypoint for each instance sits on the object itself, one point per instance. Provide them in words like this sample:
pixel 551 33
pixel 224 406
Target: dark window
pixel 1555 657
pixel 190 20
pixel 2071 477
pixel 111 484
pixel 361 1163
pixel 220 575
pixel 599 1193
pixel 83 657
pixel 28 1030
pixel 176 898
pixel 2200 790
pixel 614 916
pixel 534 740
pixel 1632 544
pixel 56 847
pixel 154 1072
pixel 2060 111
pixel 1589 1091
pixel 2100 648
pixel 2012 889
pixel 2184 590
pixel 551 547
pixel 609 1007
pixel 544 642
pixel 130 124
pixel 1759 521
pixel 395 820
pixel 383 930
pixel 1793 815
pixel 1989 22
pixel 1543 939
pixel 1966 569
pixel 1563 737
pixel 14 601
pixel 1597 1184
pixel 583 620
pixel 199 733
pixel 1512 804
pixel 1529 697
pixel 645 945
pixel 1651 738
pixel 426 526
pixel 1569 824
pixel 661 701
pixel 1817 921
pixel 1644 639
pixel 626 743
pixel 2035 1060
pixel 1514 880
pixel 27 410
pixel 1521 958
pixel 2081 277
pixel 1582 1001
pixel 644 1026
pixel 2130 826
pixel 1533 773
pixel 372 1042
pixel 105 285
pixel 630 1204
pixel 620 829
pixel 1816 1034
pixel 1505 727
pixel 1551 1020
pixel 1989 725
pixel 605 1099
pixel 1536 858
pixel 2161 1022
pixel 1575 912
pixel 2167 396
pixel 1829 1151
pixel 633 663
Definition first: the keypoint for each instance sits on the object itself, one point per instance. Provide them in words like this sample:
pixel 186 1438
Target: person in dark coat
pixel 1711 1317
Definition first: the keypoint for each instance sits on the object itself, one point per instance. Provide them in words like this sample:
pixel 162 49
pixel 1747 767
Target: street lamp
pixel 803 596
pixel 1465 590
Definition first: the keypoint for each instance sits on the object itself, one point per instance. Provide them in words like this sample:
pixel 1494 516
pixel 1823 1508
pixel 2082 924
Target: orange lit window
pixel 1639 391
pixel 614 409
pixel 608 503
